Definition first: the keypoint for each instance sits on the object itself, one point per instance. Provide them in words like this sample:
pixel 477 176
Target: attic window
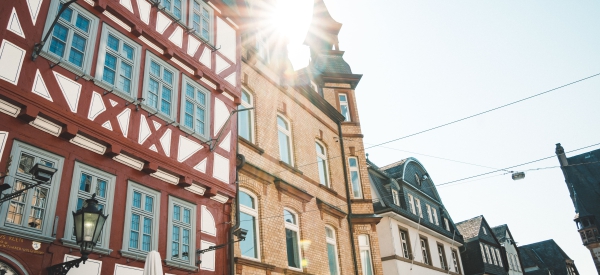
pixel 314 86
pixel 446 225
pixel 418 179
pixel 484 231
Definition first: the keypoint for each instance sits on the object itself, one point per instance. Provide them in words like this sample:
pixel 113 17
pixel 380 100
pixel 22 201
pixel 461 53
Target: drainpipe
pixel 348 202
pixel 237 208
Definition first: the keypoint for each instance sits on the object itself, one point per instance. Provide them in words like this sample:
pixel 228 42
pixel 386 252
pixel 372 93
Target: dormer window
pixel 484 231
pixel 418 179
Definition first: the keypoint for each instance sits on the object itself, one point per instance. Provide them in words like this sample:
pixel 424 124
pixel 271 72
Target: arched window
pixel 364 247
pixel 322 164
pixel 285 140
pixel 332 250
pixel 246 118
pixel 248 220
pixel 292 238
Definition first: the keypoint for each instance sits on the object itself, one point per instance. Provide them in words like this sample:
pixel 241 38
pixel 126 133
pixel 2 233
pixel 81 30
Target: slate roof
pixel 396 164
pixel 546 255
pixel 470 228
pixel 500 232
pixel 583 181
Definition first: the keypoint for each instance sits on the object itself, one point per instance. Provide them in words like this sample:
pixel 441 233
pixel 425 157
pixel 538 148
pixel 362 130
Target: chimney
pixel 560 153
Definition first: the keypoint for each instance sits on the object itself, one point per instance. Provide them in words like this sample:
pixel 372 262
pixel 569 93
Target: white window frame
pixel 171 11
pixel 296 228
pixel 446 224
pixel 190 264
pixel 288 134
pixel 174 91
pixel 484 231
pixel 90 42
pixel 322 157
pixel 364 245
pixel 510 262
pixel 492 250
pixel 487 252
pixel 44 234
pixel 435 216
pixel 517 263
pixel 418 206
pixel 442 256
pixel 355 185
pixel 424 250
pixel 262 48
pixel 455 261
pixel 411 202
pixel 345 103
pixel 395 197
pixel 499 257
pixel 137 57
pixel 254 212
pixel 211 21
pixel 244 105
pixel 483 253
pixel 107 202
pixel 182 113
pixel 126 251
pixel 332 241
pixel 429 215
pixel 404 243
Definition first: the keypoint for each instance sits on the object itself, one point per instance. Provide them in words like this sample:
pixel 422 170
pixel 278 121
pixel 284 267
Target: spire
pixel 323 31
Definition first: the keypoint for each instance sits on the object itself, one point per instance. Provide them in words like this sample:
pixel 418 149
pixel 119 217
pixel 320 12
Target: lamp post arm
pixel 37 48
pixel 18 193
pixel 63 268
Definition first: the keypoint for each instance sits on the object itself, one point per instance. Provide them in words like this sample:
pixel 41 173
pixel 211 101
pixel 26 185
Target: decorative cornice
pixel 255 264
pixel 330 209
pixel 292 190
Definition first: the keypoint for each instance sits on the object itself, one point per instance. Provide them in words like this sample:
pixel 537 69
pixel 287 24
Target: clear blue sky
pixel 427 62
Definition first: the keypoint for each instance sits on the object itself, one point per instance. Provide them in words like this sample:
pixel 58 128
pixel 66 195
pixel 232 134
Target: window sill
pixel 63 63
pixel 26 235
pixel 207 43
pixel 110 89
pixel 156 113
pixel 361 201
pixel 252 146
pixel 192 133
pixel 350 123
pixel 289 167
pixel 294 271
pixel 180 265
pixel 134 255
pixel 97 250
pixel 328 189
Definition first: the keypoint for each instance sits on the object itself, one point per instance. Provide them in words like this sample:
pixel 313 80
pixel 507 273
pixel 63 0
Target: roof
pixel 470 228
pixel 395 164
pixel 500 232
pixel 546 255
pixel 583 181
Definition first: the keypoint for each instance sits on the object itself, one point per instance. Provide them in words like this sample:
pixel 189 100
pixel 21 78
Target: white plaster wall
pixel 511 250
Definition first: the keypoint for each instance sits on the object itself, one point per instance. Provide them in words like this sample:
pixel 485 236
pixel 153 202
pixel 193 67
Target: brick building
pixel 130 100
pixel 304 189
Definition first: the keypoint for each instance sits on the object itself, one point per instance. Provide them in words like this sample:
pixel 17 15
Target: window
pixel 428 207
pixel 498 256
pixel 344 106
pixel 405 243
pixel 73 38
pixel 417 179
pixel 484 231
pixel 292 240
pixel 483 253
pixel 86 182
pixel 160 87
pixel 446 225
pixel 493 256
pixel 322 164
pixel 181 237
pixel 411 202
pixel 435 216
pixel 510 262
pixel 285 137
pixel 31 215
pixel 355 177
pixel 141 216
pixel 262 48
pixel 331 250
pixel 118 62
pixel 425 251
pixel 455 261
pixel 418 205
pixel 245 118
pixel 364 247
pixel 175 8
pixel 194 108
pixel 395 197
pixel 202 20
pixel 248 220
pixel 517 263
pixel 442 255
pixel 487 253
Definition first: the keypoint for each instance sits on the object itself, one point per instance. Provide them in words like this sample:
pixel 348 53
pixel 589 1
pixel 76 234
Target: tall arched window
pixel 331 250
pixel 292 238
pixel 245 118
pixel 285 140
pixel 355 177
pixel 322 164
pixel 248 220
pixel 364 247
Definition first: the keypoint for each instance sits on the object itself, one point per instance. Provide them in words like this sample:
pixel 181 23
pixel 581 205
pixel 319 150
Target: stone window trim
pixel 251 118
pixel 90 45
pixel 137 253
pixel 106 30
pixel 351 108
pixel 323 157
pixel 332 240
pixel 211 20
pixel 254 212
pixel 355 169
pixel 190 264
pixel 296 228
pixel 80 168
pixel 45 234
pixel 207 108
pixel 175 91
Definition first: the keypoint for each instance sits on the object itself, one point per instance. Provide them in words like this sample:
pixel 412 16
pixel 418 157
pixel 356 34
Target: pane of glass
pixel 246 97
pixel 189 91
pixel 76 57
pixel 165 104
pixel 332 259
pixel 126 70
pixel 322 171
pixel 199 127
pixel 248 246
pixel 365 256
pixel 85 182
pixel 146 243
pixel 134 239
pixel 176 212
pixel 282 123
pixel 329 232
pixel 57 47
pixel 177 8
pixel 201 98
pixel 67 13
pixel 291 240
pixel 246 200
pixel 25 163
pixel 82 23
pixel 110 61
pixel 244 124
pixel 109 75
pixel 168 76
pixel 78 42
pixel 125 84
pixel 175 234
pixel 320 149
pixel 79 203
pixel 284 148
pixel 189 120
pixel 355 184
pixel 175 249
pixel 147 226
pixel 343 98
pixel 345 113
pixel 205 34
pixel 187 216
pixel 137 199
pixel 128 51
pixel 101 188
pixel 196 22
pixel 289 217
pixel 154 68
pixel 135 222
pixel 352 162
pixel 149 204
pixel 153 96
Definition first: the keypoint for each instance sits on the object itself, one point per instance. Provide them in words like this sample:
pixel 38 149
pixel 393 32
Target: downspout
pixel 348 202
pixel 237 210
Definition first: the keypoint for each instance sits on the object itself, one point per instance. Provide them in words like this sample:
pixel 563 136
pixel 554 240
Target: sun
pixel 291 19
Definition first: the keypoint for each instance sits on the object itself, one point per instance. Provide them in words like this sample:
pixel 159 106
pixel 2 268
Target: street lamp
pixel 88 221
pixel 39 172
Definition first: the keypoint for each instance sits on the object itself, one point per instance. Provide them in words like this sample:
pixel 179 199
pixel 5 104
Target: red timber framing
pixel 64 107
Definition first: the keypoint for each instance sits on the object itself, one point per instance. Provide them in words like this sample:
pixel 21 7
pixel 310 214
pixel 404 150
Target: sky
pixel 426 63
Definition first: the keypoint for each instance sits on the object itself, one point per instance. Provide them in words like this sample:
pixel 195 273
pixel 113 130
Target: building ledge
pixel 398 258
pixel 292 191
pixel 253 263
pixel 251 145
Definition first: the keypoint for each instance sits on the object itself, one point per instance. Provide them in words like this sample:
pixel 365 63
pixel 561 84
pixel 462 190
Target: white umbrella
pixel 153 264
